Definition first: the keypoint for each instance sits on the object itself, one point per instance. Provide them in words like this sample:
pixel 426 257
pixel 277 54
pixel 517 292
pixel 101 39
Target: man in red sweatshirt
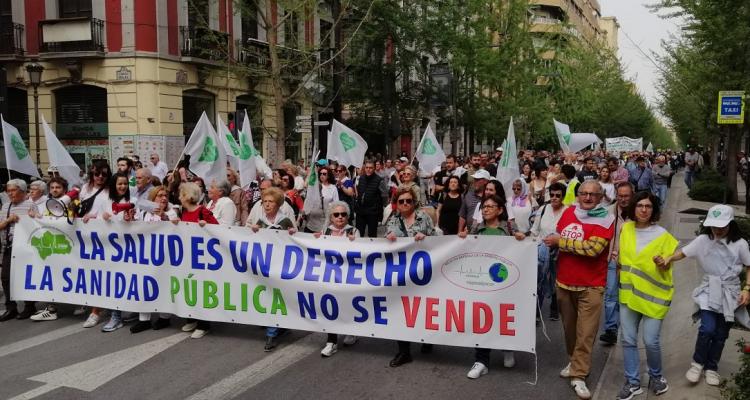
pixel 583 235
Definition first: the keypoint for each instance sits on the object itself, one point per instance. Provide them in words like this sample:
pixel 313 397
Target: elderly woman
pixel 338 216
pixel 38 196
pixel 316 216
pixel 193 211
pixel 16 206
pixel 271 218
pixel 220 205
pixel 408 176
pixel 408 222
pixel 162 212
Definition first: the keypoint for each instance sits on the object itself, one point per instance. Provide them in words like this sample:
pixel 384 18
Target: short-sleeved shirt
pixel 21 209
pixel 718 257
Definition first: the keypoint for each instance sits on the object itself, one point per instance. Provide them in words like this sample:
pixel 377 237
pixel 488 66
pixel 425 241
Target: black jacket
pixel 372 193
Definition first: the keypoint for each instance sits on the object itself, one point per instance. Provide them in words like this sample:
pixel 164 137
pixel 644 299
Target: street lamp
pixel 35 76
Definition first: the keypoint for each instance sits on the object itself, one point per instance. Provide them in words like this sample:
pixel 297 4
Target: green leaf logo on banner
pixel 210 152
pixel 233 145
pixel 48 244
pixel 428 148
pixel 18 147
pixel 348 142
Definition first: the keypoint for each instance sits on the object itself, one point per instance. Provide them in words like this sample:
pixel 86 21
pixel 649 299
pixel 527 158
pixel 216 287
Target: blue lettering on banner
pixel 213 251
pixel 197 252
pixel 117 256
pixel 357 304
pixel 130 255
pixel 379 308
pixel 289 271
pixel 28 284
pixel 329 306
pixel 46 283
pixel 68 286
pixel 333 263
pixel 312 264
pixel 354 266
pixel 176 252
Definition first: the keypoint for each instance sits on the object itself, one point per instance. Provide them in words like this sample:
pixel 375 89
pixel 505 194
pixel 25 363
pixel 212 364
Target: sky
pixel 646 30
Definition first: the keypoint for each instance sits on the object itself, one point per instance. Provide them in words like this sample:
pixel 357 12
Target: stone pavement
pixel 678 331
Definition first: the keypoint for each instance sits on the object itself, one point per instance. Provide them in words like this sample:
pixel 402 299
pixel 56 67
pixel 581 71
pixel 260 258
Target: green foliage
pixel 709 186
pixel 738 386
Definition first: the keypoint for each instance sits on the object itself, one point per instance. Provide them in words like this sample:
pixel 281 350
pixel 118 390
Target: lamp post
pixel 35 76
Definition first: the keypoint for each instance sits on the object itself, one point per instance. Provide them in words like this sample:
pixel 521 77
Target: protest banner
pixel 623 143
pixel 478 291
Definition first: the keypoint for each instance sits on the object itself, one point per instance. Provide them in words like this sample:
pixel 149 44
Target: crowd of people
pixel 594 216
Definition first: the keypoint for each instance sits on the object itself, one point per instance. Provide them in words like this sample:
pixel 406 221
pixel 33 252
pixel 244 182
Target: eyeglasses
pixel 405 201
pixel 555 195
pixel 324 174
pixel 489 206
pixel 100 173
pixel 340 215
pixel 589 194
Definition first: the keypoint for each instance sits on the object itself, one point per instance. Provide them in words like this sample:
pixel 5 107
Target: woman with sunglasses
pixel 316 216
pixel 339 226
pixel 494 222
pixel 345 187
pixel 408 222
pixel 408 176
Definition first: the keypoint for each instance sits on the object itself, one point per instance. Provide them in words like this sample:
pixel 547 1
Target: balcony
pixel 256 56
pixel 71 38
pixel 11 42
pixel 203 46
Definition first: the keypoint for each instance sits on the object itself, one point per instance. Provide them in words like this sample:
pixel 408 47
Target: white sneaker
pixel 713 378
pixel 198 333
pixel 329 350
pixel 509 359
pixel 349 340
pixel 580 388
pixel 189 327
pixel 79 311
pixel 477 370
pixel 44 315
pixel 565 372
pixel 91 321
pixel 693 375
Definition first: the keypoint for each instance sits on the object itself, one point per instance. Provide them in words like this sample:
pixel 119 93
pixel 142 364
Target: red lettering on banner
pixel 411 310
pixel 455 316
pixel 505 319
pixel 478 309
pixel 431 313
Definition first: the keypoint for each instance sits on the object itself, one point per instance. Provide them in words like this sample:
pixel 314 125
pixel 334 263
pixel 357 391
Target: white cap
pixel 719 216
pixel 499 148
pixel 403 159
pixel 482 174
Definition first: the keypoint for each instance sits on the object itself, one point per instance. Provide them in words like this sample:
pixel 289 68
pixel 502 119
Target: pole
pixel 36 126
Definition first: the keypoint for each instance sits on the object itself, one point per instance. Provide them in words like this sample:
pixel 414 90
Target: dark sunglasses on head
pixel 405 201
pixel 340 214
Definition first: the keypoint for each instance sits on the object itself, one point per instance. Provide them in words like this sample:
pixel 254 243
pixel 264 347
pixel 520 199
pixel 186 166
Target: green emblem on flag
pixel 566 137
pixel 313 179
pixel 506 155
pixel 18 147
pixel 348 142
pixel 210 152
pixel 246 150
pixel 428 148
pixel 233 145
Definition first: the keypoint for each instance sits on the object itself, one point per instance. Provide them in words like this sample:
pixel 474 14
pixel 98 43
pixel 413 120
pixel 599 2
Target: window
pixel 17 113
pixel 75 8
pixel 249 20
pixel 194 103
pixel 293 139
pixel 291 30
pixel 81 112
pixel 198 13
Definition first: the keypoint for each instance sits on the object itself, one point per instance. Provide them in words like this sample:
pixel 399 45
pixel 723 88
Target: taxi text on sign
pixel 731 107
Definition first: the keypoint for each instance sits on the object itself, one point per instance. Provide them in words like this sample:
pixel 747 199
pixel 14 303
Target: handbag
pixel 85 206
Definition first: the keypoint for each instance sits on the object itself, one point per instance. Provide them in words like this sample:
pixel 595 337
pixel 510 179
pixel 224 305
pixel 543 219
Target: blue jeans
pixel 272 331
pixel 661 192
pixel 689 176
pixel 611 299
pixel 712 334
pixel 546 275
pixel 630 320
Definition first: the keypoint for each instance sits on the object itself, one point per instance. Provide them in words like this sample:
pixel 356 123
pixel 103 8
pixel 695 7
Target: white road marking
pixel 245 379
pixel 90 374
pixel 40 339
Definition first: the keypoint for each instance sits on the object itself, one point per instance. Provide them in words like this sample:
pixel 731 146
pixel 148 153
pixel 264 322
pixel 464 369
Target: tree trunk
pixel 734 139
pixel 278 94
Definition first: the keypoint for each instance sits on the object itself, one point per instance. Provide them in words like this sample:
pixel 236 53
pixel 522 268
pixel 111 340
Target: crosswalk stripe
pixel 40 339
pixel 252 375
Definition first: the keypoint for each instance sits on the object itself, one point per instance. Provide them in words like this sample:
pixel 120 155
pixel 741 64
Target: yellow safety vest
pixel 570 192
pixel 643 286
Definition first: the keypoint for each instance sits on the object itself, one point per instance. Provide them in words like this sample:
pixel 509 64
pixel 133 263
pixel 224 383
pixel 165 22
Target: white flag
pixel 250 161
pixel 563 134
pixel 429 153
pixel 208 159
pixel 17 157
pixel 650 147
pixel 312 197
pixel 507 167
pixel 346 146
pixel 228 142
pixel 60 158
pixel 579 141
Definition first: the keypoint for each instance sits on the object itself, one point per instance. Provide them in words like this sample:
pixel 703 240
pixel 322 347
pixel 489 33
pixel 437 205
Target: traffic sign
pixel 731 107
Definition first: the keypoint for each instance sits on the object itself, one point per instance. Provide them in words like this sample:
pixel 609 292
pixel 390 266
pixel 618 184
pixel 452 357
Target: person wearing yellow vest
pixel 645 292
pixel 722 253
pixel 572 183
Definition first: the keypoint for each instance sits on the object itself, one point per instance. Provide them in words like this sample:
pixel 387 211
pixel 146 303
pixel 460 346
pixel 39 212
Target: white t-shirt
pixel 224 210
pixel 717 257
pixel 101 201
pixel 644 236
pixel 257 211
pixel 545 225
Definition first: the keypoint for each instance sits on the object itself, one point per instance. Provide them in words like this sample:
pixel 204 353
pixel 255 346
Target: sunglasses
pixel 340 214
pixel 555 195
pixel 324 174
pixel 100 173
pixel 405 201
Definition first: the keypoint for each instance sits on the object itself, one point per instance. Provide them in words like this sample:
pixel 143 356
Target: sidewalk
pixel 678 331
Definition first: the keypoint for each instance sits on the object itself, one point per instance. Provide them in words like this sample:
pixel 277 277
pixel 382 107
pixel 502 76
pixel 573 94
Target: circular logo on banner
pixel 483 272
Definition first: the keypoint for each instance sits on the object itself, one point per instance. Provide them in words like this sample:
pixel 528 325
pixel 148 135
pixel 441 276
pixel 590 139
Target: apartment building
pixel 133 76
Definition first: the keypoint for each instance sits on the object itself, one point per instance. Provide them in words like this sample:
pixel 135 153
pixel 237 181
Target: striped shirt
pixel 20 209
